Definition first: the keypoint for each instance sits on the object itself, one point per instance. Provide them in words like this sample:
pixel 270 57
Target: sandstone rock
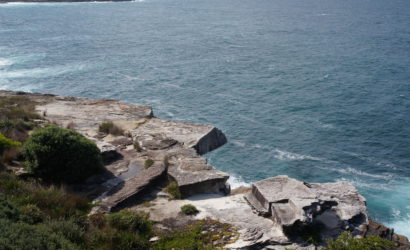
pixel 193 175
pixel 158 138
pixel 375 228
pixel 203 138
pixel 293 204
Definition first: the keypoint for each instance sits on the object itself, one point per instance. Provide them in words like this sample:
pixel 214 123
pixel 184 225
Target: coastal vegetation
pixel 39 210
pixel 202 234
pixel 345 241
pixel 60 155
pixel 148 163
pixel 173 190
pixel 189 209
pixel 34 216
pixel 17 115
pixel 109 127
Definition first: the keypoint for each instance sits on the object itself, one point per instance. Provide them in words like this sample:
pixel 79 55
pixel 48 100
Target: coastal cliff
pixel 275 213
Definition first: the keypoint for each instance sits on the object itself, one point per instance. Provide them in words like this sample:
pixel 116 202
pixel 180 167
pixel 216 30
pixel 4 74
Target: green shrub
pixel 31 237
pixel 57 203
pixel 129 240
pixel 173 190
pixel 189 209
pixel 203 234
pixel 53 202
pixel 110 128
pixel 31 214
pixel 61 155
pixel 148 163
pixel 18 107
pixel 128 220
pixel 67 228
pixel 346 242
pixel 6 143
pixel 16 113
pixel 8 211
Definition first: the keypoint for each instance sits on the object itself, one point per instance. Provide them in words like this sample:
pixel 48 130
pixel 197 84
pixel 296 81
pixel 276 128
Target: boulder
pixel 202 138
pixel 328 207
pixel 193 175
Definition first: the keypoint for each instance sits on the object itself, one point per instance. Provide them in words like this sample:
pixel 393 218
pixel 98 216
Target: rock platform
pixel 270 215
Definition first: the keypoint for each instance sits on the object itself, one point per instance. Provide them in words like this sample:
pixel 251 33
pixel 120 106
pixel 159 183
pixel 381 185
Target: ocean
pixel 318 90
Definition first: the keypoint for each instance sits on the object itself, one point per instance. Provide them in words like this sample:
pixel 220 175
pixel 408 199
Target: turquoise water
pixel 318 90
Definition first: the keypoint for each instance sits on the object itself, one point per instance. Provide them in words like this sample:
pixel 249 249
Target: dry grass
pixel 16 115
pixel 109 127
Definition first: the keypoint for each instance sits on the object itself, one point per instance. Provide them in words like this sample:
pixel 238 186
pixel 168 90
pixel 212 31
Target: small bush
pixel 346 242
pixel 31 237
pixel 129 240
pixel 8 211
pixel 16 115
pixel 173 190
pixel 128 220
pixel 16 129
pixel 110 128
pixel 56 203
pixel 189 209
pixel 8 149
pixel 98 220
pixel 6 143
pixel 67 228
pixel 18 107
pixel 60 155
pixel 148 163
pixel 31 214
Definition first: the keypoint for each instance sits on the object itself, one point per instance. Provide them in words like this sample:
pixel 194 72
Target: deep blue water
pixel 318 90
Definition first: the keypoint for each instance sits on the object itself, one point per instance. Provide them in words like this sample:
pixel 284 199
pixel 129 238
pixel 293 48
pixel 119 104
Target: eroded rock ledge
pixel 180 143
pixel 272 214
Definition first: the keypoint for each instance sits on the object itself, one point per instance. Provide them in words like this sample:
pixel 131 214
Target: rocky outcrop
pixel 202 138
pixel 174 147
pixel 377 229
pixel 288 208
pixel 194 175
pixel 329 207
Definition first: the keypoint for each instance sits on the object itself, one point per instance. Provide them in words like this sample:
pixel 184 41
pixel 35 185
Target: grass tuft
pixel 189 209
pixel 110 128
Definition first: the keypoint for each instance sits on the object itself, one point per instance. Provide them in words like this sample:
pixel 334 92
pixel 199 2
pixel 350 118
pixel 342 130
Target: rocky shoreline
pixel 272 214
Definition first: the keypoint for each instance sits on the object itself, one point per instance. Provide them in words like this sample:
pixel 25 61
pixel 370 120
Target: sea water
pixel 318 90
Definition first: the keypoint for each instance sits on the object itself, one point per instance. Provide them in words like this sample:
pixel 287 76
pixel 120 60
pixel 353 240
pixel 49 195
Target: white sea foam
pixel 5 62
pixel 41 72
pixel 372 160
pixel 401 226
pixel 279 154
pixel 353 171
pixel 25 88
pixel 239 143
pixel 236 182
pixel 367 185
pixel 289 156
